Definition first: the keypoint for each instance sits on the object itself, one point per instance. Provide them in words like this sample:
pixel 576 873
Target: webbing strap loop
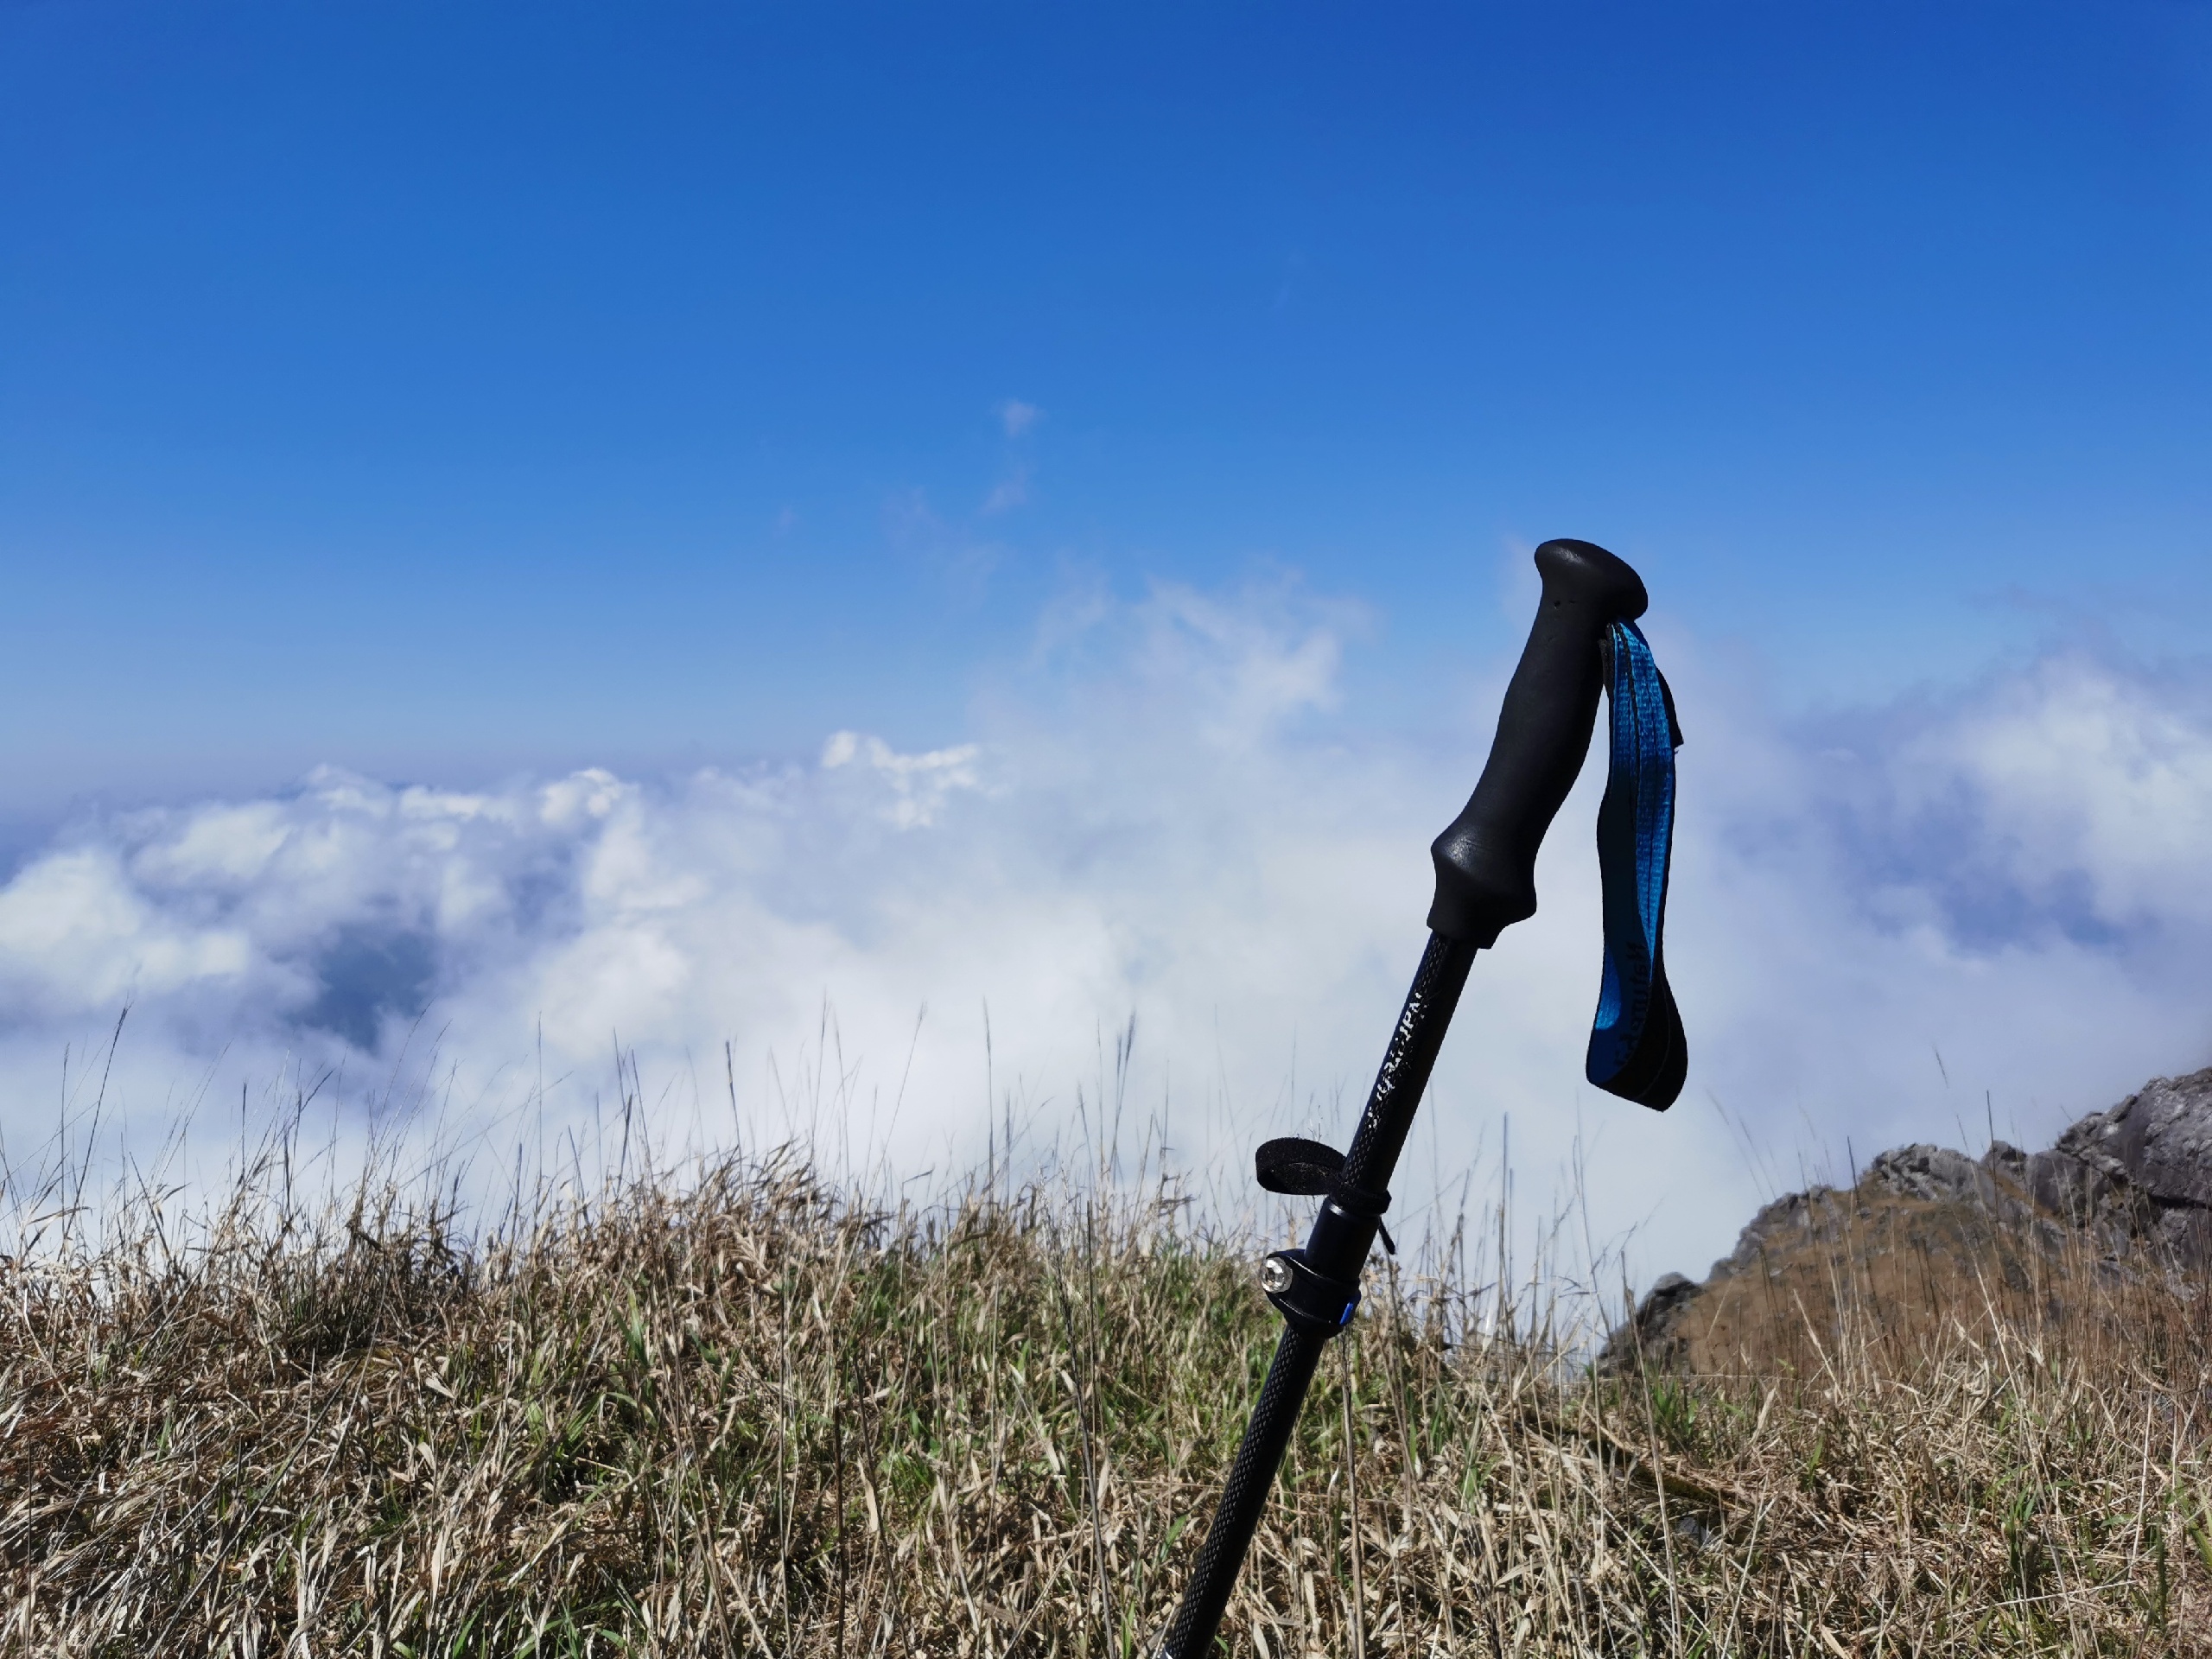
pixel 1294 1164
pixel 1637 1047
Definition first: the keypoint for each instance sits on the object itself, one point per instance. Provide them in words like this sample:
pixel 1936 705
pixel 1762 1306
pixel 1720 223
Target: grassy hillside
pixel 740 1413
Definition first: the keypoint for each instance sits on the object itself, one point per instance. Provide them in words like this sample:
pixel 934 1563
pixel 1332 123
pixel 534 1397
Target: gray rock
pixel 1937 1173
pixel 2139 1172
pixel 1651 1335
pixel 2159 1140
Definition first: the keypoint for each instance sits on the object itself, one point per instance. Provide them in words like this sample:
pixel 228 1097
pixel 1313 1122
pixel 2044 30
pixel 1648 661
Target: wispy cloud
pixel 920 785
pixel 1017 417
pixel 1009 492
pixel 1162 817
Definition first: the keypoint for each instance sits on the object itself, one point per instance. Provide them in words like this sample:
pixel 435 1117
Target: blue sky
pixel 442 390
pixel 787 527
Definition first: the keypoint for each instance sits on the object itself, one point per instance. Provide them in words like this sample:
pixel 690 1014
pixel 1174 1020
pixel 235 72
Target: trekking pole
pixel 1584 639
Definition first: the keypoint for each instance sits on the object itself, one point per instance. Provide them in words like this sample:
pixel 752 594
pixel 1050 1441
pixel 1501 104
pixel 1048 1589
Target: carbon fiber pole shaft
pixel 1338 1247
pixel 1243 1499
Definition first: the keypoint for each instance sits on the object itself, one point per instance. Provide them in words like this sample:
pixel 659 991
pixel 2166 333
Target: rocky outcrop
pixel 2141 1173
pixel 1932 1234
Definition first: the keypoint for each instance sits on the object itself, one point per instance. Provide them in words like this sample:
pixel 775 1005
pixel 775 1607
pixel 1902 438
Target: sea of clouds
pixel 1161 894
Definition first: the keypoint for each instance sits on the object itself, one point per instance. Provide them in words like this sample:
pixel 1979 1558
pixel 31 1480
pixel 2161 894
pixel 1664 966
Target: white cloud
pixel 2090 789
pixel 1017 417
pixel 920 783
pixel 1161 817
pixel 77 933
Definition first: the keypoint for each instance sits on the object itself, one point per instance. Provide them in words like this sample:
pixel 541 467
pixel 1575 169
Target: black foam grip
pixel 1486 861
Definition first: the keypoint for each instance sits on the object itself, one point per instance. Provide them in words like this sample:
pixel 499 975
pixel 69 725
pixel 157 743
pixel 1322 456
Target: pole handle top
pixel 1486 860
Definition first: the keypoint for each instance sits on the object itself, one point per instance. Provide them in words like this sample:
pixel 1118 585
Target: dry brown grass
pixel 1903 1276
pixel 742 1414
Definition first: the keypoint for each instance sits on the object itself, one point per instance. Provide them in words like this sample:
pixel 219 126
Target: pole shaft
pixel 1338 1248
pixel 1245 1497
pixel 1407 1063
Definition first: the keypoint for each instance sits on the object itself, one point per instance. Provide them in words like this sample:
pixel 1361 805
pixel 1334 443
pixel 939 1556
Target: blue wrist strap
pixel 1637 1047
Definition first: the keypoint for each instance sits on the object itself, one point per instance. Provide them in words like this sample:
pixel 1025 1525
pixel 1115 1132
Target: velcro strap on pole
pixel 1636 1047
